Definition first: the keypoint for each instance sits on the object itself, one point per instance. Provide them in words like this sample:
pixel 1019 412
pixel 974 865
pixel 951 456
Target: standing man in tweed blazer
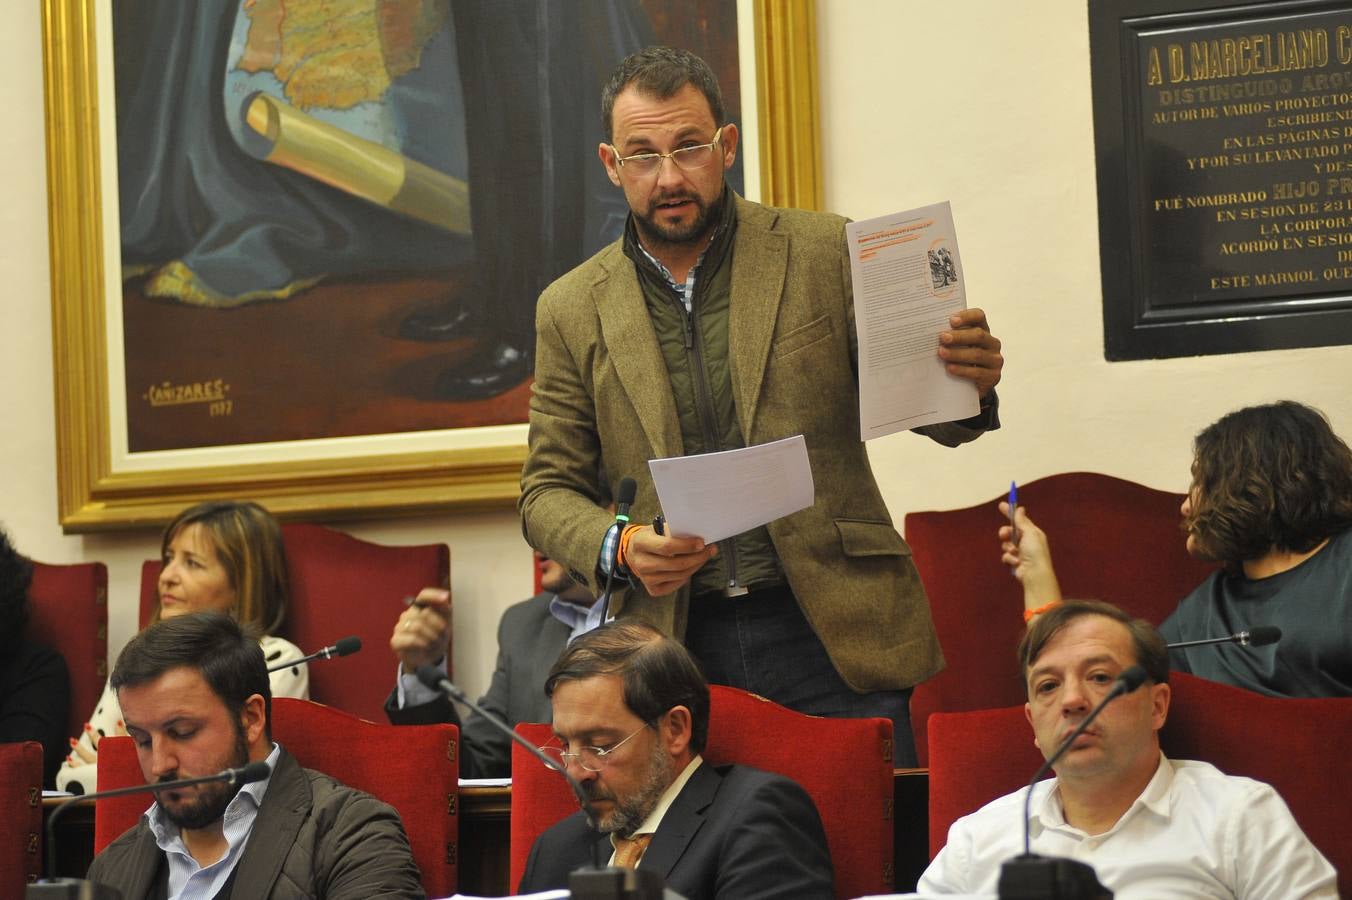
pixel 717 323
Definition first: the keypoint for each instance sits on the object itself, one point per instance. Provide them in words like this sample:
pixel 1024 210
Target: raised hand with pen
pixel 1030 558
pixel 423 631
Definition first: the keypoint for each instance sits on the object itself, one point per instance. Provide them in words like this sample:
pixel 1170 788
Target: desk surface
pixel 485 828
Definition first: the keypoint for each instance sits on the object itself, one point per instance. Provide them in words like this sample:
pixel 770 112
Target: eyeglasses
pixel 688 159
pixel 593 759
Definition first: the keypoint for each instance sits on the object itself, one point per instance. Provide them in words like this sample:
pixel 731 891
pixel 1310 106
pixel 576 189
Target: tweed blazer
pixel 602 402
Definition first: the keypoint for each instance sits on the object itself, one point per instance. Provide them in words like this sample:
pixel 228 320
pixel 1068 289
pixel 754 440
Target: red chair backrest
pixel 1111 540
pixel 20 817
pixel 974 757
pixel 411 767
pixel 69 613
pixel 854 798
pixel 1291 744
pixel 980 755
pixel 540 798
pixel 340 586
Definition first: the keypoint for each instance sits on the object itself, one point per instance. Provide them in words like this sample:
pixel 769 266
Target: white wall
pixel 986 103
pixel 1014 153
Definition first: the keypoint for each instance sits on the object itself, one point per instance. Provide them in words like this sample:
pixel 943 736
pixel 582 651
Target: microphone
pixel 1257 636
pixel 254 771
pixel 1030 876
pixel 345 647
pixel 432 677
pixel 624 499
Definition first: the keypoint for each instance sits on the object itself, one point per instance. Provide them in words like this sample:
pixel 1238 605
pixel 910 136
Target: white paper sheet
pixel 718 495
pixel 907 281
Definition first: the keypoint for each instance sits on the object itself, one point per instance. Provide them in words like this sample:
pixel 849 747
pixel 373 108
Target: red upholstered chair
pixel 340 586
pixel 539 799
pixel 20 817
pixel 69 613
pixel 411 767
pixel 1111 540
pixel 118 767
pixel 1238 731
pixel 974 757
pixel 853 797
pixel 1291 744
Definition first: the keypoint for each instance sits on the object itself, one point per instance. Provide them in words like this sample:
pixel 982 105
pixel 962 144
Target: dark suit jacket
pixel 529 641
pixel 733 833
pixel 603 400
pixel 313 838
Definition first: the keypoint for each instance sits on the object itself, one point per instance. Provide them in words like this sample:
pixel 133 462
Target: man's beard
pixel 630 811
pixel 211 800
pixel 659 233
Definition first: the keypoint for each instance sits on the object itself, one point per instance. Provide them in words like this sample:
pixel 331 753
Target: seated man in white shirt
pixel 1150 827
pixel 631 715
pixel 195 698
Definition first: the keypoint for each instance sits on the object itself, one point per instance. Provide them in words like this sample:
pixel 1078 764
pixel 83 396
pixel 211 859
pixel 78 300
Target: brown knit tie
pixel 628 850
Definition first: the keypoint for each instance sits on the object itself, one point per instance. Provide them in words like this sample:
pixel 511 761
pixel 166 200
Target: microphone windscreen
pixel 347 646
pixel 1262 635
pixel 1132 678
pixel 625 496
pixel 254 771
pixel 431 676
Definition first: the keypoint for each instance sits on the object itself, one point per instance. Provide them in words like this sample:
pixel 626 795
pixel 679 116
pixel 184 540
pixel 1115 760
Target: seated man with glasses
pixel 631 715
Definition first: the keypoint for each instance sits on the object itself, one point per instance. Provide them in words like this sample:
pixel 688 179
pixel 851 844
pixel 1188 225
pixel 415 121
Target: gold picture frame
pixel 95 494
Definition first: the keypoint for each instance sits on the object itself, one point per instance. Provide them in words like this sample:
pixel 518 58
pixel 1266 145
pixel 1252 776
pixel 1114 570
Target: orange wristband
pixel 624 542
pixel 1031 614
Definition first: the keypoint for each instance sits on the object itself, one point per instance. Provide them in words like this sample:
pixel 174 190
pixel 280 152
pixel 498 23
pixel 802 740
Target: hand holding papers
pixel 717 495
pixel 907 283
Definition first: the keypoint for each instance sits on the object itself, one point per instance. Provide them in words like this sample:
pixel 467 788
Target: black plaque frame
pixel 1139 322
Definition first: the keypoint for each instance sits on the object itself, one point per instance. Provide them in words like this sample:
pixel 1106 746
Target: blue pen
pixel 1013 506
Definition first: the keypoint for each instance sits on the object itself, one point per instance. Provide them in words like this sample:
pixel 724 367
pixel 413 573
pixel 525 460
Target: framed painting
pixel 268 277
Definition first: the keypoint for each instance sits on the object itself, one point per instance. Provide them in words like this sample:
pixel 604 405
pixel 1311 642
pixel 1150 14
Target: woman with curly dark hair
pixel 1271 499
pixel 34 684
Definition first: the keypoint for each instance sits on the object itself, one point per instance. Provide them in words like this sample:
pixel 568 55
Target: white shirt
pixel 1193 832
pixel 187 879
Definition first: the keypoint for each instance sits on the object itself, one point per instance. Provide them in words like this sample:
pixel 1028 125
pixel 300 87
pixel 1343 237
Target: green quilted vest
pixel 695 347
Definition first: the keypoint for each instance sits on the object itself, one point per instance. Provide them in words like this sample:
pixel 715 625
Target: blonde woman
pixel 224 556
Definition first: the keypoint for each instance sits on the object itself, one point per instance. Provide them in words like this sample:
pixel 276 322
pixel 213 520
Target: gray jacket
pixel 530 639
